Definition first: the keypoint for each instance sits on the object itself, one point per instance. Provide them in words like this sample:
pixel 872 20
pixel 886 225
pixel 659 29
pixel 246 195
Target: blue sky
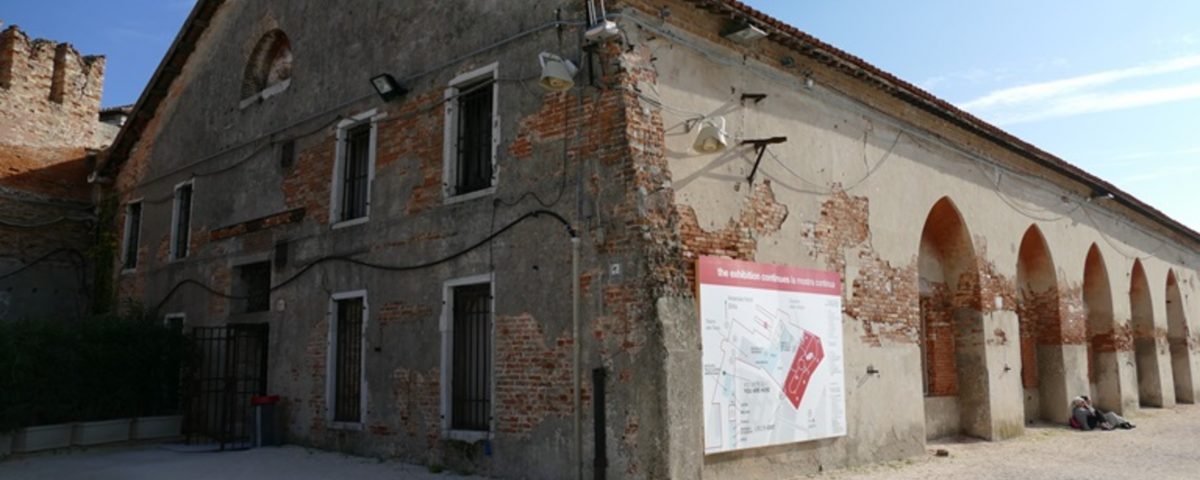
pixel 1111 86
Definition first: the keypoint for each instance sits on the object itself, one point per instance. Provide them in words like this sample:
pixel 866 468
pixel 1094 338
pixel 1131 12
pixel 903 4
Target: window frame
pixel 338 178
pixel 175 224
pixel 450 140
pixel 330 358
pixel 128 234
pixel 237 273
pixel 446 326
pixel 176 315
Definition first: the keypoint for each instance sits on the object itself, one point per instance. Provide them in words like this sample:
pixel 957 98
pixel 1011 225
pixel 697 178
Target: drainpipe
pixel 578 446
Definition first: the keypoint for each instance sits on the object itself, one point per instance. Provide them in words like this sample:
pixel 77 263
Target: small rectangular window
pixel 473 168
pixel 175 322
pixel 355 172
pixel 182 219
pixel 471 368
pixel 133 231
pixel 287 154
pixel 347 360
pixel 254 286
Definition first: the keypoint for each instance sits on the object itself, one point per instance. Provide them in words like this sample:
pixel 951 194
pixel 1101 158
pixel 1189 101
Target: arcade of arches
pixel 1073 337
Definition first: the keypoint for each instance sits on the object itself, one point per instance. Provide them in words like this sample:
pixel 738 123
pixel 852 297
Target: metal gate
pixel 228 366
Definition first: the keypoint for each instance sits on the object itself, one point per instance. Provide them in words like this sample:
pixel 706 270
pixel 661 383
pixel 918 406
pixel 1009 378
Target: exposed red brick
pixel 533 379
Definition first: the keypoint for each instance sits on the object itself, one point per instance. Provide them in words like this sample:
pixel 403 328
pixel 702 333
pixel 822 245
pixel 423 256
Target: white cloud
pixel 1070 105
pixel 1048 90
pixel 1160 173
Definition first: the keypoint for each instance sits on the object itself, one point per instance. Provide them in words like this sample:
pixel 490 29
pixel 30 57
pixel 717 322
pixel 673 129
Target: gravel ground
pixel 1165 445
pixel 180 462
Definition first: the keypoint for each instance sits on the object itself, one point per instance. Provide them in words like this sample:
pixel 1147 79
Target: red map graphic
pixel 808 356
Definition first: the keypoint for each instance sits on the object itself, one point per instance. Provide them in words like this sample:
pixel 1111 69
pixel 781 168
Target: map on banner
pixel 773 367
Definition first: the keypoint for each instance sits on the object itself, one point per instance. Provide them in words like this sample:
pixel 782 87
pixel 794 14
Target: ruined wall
pixel 49 93
pixel 857 178
pixel 49 117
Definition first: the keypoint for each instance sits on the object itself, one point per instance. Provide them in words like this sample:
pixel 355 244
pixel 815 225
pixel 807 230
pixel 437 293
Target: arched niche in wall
pixel 1145 338
pixel 269 68
pixel 1041 329
pixel 1103 373
pixel 1177 335
pixel 953 369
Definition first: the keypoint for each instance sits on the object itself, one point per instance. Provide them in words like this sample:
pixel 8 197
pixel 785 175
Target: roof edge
pixel 160 82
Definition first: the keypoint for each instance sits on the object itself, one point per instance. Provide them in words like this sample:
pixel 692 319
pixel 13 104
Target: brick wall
pixel 49 113
pixel 49 93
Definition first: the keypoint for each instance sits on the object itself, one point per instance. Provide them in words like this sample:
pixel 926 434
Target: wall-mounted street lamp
pixel 744 33
pixel 387 87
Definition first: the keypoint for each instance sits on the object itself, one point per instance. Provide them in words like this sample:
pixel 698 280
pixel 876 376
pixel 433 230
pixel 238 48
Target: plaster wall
pixel 846 139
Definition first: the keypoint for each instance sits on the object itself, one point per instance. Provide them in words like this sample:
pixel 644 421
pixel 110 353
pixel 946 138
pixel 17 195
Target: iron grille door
pixel 229 366
pixel 472 357
pixel 347 400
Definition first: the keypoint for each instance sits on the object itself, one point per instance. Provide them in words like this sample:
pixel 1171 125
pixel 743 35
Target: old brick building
pixel 410 258
pixel 50 129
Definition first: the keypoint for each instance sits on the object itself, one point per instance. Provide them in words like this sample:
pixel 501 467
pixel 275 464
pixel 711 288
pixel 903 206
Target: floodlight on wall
pixel 711 138
pixel 744 33
pixel 558 74
pixel 387 87
pixel 1100 195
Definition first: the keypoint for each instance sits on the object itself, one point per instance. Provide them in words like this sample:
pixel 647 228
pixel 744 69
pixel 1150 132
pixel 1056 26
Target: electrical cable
pixel 75 254
pixel 42 223
pixel 663 33
pixel 405 81
pixel 377 266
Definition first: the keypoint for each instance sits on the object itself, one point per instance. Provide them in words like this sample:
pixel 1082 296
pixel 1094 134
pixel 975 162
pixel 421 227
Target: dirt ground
pixel 1165 445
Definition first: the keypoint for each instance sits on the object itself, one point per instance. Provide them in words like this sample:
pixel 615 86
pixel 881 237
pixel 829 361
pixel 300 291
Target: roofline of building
pixel 185 42
pixel 827 54
pixel 160 83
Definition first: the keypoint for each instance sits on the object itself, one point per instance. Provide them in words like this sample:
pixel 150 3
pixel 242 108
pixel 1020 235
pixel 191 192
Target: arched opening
pixel 1102 348
pixel 1145 338
pixel 270 64
pixel 1177 335
pixel 953 366
pixel 1040 326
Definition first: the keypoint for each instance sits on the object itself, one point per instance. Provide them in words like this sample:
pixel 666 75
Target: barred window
pixel 181 224
pixel 355 173
pixel 133 232
pixel 474 163
pixel 347 359
pixel 254 284
pixel 471 367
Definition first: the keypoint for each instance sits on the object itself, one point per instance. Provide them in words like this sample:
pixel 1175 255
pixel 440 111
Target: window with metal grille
pixel 254 284
pixel 473 166
pixel 182 232
pixel 471 367
pixel 356 173
pixel 133 230
pixel 347 360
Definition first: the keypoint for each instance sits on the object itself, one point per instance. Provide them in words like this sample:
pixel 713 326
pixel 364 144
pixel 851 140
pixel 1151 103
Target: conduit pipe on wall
pixel 578 441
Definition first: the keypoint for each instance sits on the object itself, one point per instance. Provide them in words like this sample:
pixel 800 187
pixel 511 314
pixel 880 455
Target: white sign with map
pixel 772 340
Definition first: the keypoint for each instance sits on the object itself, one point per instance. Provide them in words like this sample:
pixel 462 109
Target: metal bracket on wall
pixel 756 97
pixel 760 147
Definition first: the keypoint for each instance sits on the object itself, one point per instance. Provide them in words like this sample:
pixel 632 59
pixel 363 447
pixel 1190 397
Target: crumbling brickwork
pixel 49 93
